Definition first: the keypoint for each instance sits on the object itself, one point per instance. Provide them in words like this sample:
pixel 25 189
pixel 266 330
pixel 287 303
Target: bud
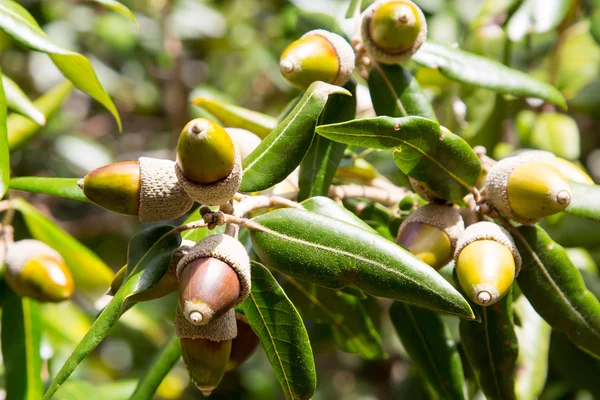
pixel 35 270
pixel 393 30
pixel 318 55
pixel 487 261
pixel 244 344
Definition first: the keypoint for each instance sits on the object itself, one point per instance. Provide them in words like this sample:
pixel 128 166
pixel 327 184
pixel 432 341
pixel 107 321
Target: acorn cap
pixel 399 21
pixel 294 59
pixel 444 217
pixel 162 197
pixel 221 328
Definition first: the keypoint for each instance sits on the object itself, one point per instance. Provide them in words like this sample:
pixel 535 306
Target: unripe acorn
pixel 244 344
pixel 486 262
pixel 37 271
pixel 147 188
pixel 209 166
pixel 213 278
pixel 431 233
pixel 527 190
pixel 318 55
pixel 393 30
pixel 567 169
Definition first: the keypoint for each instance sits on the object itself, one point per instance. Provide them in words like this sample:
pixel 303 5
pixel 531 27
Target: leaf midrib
pixel 391 88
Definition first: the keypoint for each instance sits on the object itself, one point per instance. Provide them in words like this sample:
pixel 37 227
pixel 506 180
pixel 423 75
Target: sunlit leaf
pixel 585 201
pixel 117 7
pixel 17 101
pixel 4 153
pixel 61 187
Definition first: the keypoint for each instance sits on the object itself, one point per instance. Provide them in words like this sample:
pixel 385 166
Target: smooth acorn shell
pixel 205 361
pixel 428 243
pixel 309 59
pixel 205 152
pixel 115 187
pixel 485 271
pixel 211 285
pixel 244 344
pixel 395 26
pixel 45 279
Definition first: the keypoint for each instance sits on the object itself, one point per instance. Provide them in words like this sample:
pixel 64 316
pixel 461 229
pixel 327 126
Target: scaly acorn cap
pixel 35 270
pixel 244 140
pixel 227 250
pixel 393 30
pixel 569 170
pixel 318 55
pixel 244 344
pixel 431 233
pixel 527 190
pixel 486 262
pixel 220 328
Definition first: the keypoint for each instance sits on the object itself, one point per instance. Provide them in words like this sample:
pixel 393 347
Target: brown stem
pixel 386 197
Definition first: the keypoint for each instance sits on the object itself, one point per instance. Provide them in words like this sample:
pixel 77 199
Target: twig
pixel 383 196
pixel 250 203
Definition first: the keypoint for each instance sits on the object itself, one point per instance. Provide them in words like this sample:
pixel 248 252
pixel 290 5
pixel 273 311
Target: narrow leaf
pixel 161 366
pixel 556 289
pixel 16 22
pixel 396 93
pixel 482 72
pixel 18 101
pixel 118 8
pixel 285 147
pixel 282 334
pixel 4 153
pixel 491 348
pixel 328 207
pixel 61 187
pixel 431 348
pixel 146 273
pixel 353 8
pixel 334 254
pixel 21 130
pixel 585 201
pixel 238 117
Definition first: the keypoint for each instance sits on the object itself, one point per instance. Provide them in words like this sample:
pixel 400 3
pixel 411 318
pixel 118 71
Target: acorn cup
pixel 569 170
pixel 527 190
pixel 213 278
pixel 486 262
pixel 37 271
pixel 244 344
pixel 393 30
pixel 147 188
pixel 209 166
pixel 318 55
pixel 431 232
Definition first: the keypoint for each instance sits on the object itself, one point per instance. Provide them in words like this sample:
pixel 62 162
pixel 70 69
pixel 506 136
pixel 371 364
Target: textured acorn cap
pixel 387 56
pixel 489 231
pixel 217 193
pixel 446 218
pixel 19 253
pixel 221 328
pixel 161 195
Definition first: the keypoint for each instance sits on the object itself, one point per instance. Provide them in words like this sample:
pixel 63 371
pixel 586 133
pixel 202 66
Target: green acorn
pixel 569 170
pixel 244 344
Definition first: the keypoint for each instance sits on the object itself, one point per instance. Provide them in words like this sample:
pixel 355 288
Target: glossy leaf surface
pixel 18 101
pixel 584 201
pixel 61 187
pixel 118 8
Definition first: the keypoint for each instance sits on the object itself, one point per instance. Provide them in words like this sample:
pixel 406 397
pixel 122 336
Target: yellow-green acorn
pixel 486 262
pixel 209 166
pixel 318 55
pixel 35 270
pixel 431 233
pixel 393 30
pixel 147 188
pixel 244 344
pixel 568 169
pixel 527 190
pixel 213 278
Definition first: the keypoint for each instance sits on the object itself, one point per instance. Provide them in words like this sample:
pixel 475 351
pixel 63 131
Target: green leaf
pixel 18 101
pixel 556 289
pixel 328 207
pixel 161 366
pixel 282 334
pixel 429 343
pixel 61 187
pixel 353 8
pixel 238 117
pixel 21 130
pixel 535 16
pixel 285 147
pixel 585 201
pixel 320 163
pixel 90 273
pixel 557 133
pixel 534 340
pixel 491 348
pixel 21 337
pixel 153 260
pixel 22 27
pixel 482 72
pixel 396 93
pixel 334 254
pixel 424 150
pixel 119 8
pixel 4 153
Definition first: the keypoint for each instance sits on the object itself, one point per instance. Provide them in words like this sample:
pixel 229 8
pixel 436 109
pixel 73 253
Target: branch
pixel 386 197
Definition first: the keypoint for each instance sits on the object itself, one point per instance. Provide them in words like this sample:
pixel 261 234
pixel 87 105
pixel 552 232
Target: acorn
pixel 213 278
pixel 318 55
pixel 431 232
pixel 147 188
pixel 205 349
pixel 486 262
pixel 393 30
pixel 527 190
pixel 37 271
pixel 567 169
pixel 209 166
pixel 244 344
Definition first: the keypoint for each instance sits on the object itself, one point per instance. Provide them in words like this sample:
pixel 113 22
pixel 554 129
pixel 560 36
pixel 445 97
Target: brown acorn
pixel 244 344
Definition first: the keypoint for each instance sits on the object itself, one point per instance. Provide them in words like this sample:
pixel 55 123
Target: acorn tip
pixel 286 65
pixel 484 297
pixel 195 317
